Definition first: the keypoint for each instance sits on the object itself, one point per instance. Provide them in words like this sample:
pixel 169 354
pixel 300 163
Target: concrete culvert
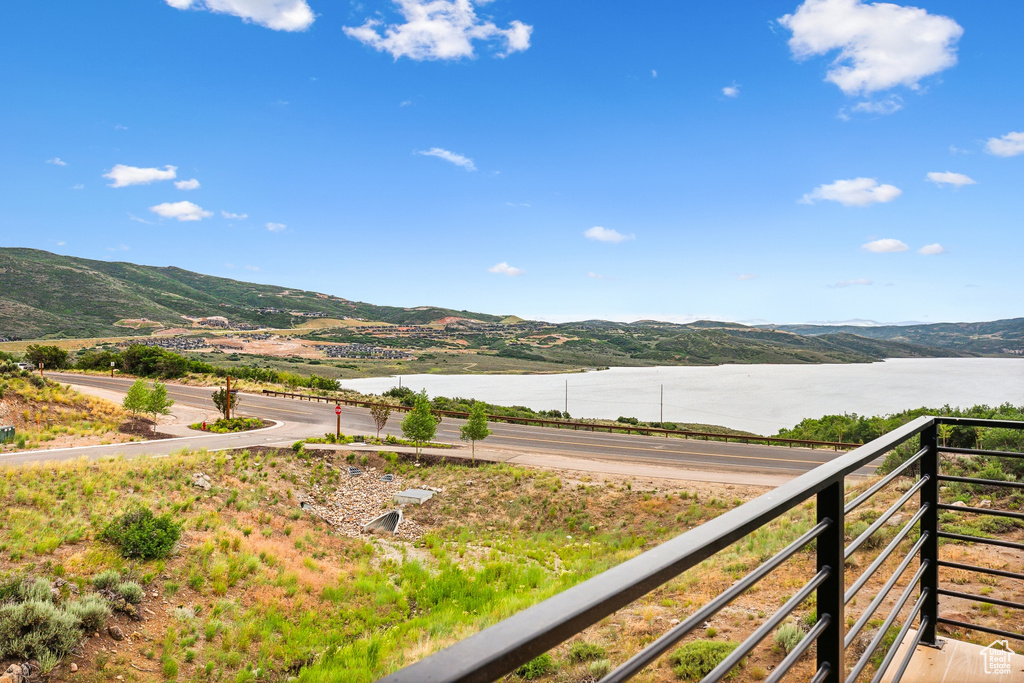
pixel 389 521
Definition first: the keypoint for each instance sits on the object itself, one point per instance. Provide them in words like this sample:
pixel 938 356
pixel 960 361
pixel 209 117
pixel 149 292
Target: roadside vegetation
pixel 42 411
pixel 258 588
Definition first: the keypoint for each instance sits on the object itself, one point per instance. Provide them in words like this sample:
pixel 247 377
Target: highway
pixel 298 419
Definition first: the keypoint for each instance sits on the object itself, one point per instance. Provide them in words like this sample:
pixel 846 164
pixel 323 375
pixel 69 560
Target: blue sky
pixel 777 161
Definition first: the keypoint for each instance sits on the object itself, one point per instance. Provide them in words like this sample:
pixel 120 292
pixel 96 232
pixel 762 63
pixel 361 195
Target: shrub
pixel 130 591
pixel 106 580
pixel 582 652
pixel 37 589
pixel 599 668
pixel 695 660
pixel 91 611
pixel 31 629
pixel 140 534
pixel 535 668
pixel 788 637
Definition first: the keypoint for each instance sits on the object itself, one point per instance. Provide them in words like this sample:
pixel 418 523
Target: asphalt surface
pixel 299 419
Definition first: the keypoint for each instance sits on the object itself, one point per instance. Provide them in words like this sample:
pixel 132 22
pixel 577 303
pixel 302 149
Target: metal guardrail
pixel 500 649
pixel 587 426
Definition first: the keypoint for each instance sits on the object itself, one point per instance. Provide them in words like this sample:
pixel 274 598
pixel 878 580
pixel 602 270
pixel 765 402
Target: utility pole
pixel 227 400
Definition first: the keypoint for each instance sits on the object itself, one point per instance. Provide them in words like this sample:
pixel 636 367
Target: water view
pixel 759 398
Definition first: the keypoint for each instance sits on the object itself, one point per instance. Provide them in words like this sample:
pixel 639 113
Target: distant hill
pixel 988 338
pixel 44 295
pixel 47 296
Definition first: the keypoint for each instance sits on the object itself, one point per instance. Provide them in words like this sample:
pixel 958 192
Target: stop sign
pixel 337 410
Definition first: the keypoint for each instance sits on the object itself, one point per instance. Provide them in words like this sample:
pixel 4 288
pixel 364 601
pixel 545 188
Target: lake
pixel 758 398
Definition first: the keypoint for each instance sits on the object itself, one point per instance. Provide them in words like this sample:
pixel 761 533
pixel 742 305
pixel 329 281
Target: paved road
pixel 300 419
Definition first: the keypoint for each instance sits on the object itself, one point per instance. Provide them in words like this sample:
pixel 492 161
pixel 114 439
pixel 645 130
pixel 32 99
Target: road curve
pixel 298 419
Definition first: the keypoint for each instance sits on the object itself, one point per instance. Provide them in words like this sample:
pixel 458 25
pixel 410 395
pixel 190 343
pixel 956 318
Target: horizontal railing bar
pixel 979 422
pixel 884 628
pixel 982 482
pixel 979 539
pixel 887 660
pixel 980 598
pixel 642 659
pixel 786 664
pixel 981 511
pixel 979 627
pixel 980 451
pixel 983 570
pixel 762 631
pixel 884 591
pixel 859 500
pixel 884 555
pixel 877 524
pixel 822 673
pixel 911 648
pixel 501 648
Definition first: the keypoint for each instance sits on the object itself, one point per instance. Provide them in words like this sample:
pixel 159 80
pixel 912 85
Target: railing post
pixel 929 525
pixel 831 546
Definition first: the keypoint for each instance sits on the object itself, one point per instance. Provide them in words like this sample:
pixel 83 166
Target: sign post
pixel 111 369
pixel 227 400
pixel 337 411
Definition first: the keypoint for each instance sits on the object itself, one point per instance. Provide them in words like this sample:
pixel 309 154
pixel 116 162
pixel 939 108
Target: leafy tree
pixel 52 357
pixel 380 413
pixel 475 428
pixel 420 425
pixel 137 399
pixel 98 360
pixel 152 361
pixel 158 403
pixel 220 401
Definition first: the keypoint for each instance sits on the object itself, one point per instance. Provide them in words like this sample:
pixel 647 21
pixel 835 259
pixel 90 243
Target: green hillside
pixel 986 338
pixel 44 295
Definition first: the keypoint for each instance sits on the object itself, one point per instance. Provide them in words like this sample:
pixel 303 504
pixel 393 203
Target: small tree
pixel 220 401
pixel 420 425
pixel 137 399
pixel 380 413
pixel 475 428
pixel 52 357
pixel 158 403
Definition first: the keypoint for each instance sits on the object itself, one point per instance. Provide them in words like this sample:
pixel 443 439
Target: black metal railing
pixel 502 648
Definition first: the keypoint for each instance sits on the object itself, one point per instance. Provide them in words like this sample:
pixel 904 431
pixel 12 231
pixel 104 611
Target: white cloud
pixel 731 90
pixel 61 243
pixel 1010 145
pixel 744 277
pixel 280 15
pixel 78 186
pixel 183 211
pixel 135 218
pixel 276 227
pixel 57 161
pixel 439 29
pixel 949 178
pixel 890 105
pixel 932 249
pixel 505 269
pixel 123 176
pixel 885 246
pixel 597 276
pixel 654 73
pixel 862 282
pixel 881 45
pixel 187 184
pixel 457 159
pixel 234 216
pixel 606 235
pixel 853 192
pixel 254 269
